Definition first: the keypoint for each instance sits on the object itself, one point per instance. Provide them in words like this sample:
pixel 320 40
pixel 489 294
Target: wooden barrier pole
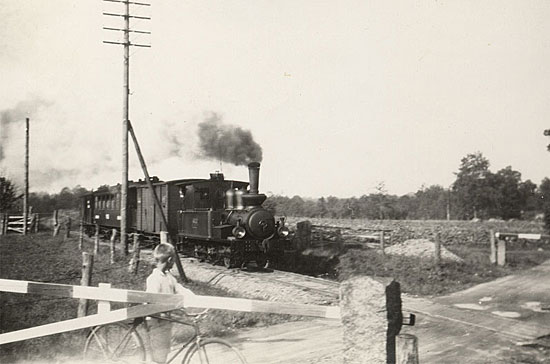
pixel 1 224
pixel 501 252
pixel 372 318
pixel 493 254
pixel 80 235
pixel 37 224
pixel 437 255
pixel 112 246
pixel 134 262
pixel 87 267
pixel 96 239
pixel 407 349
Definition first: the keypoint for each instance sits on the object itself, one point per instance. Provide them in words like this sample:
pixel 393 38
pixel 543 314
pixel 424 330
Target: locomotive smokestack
pixel 254 175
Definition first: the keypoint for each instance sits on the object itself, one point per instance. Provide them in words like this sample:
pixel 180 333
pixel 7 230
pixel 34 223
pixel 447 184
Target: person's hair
pixel 162 252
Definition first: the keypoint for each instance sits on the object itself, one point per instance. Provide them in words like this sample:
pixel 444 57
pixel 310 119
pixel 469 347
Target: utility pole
pixel 126 106
pixel 26 195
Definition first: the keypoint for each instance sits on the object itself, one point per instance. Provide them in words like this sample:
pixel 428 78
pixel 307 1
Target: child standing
pixel 162 281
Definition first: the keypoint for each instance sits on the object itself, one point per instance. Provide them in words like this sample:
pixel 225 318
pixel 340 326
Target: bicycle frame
pixel 196 337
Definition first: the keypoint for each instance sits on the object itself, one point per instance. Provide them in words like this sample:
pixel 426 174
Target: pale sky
pixel 340 95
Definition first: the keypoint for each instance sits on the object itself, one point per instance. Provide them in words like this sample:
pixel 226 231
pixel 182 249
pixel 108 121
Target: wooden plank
pixel 84 322
pixel 123 295
pixel 246 305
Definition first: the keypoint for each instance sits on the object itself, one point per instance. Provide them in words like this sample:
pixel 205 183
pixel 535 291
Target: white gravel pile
pixel 422 248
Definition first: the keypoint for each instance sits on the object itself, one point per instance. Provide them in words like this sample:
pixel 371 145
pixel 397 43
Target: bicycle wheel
pixel 213 351
pixel 115 343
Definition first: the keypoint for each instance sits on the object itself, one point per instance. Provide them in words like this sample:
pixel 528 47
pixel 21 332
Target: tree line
pixel 476 193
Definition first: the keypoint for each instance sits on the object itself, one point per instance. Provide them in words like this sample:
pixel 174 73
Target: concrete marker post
pixel 372 318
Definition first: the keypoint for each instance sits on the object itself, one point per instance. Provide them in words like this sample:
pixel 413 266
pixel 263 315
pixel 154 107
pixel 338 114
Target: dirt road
pixel 483 324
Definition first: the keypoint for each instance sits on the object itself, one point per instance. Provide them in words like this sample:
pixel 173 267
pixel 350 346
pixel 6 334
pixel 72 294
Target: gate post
pixel 372 318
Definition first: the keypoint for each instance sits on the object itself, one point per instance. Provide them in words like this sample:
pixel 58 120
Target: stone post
pixel 372 318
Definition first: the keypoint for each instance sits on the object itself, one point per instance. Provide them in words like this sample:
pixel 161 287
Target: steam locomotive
pixel 218 220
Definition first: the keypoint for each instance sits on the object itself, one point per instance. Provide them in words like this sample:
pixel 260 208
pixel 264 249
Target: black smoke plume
pixel 22 110
pixel 226 142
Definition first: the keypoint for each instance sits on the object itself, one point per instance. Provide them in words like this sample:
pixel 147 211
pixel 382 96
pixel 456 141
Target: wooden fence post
pixel 36 223
pixel 382 243
pixel 134 262
pixel 96 239
pixel 1 224
pixel 437 255
pixel 112 246
pixel 104 306
pixel 372 318
pixel 87 267
pixel 68 228
pixel 339 240
pixel 80 235
pixel 493 254
pixel 501 252
pixel 407 349
pixel 55 223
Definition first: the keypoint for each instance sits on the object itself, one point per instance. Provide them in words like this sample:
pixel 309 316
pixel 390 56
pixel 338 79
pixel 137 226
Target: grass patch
pixel 421 277
pixel 43 258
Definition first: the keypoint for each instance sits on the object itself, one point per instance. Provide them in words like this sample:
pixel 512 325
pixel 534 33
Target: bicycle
pixel 122 343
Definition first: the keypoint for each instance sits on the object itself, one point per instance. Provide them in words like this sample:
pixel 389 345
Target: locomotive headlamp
pixel 239 232
pixel 283 231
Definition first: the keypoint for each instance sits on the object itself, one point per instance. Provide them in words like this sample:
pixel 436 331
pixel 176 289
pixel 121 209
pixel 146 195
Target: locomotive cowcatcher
pixel 215 219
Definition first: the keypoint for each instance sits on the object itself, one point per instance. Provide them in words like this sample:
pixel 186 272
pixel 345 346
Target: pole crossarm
pixel 127 2
pixel 130 30
pixel 128 16
pixel 157 303
pixel 128 44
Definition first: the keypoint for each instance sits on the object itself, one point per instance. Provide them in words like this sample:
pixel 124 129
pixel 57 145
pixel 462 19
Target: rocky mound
pixel 421 248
